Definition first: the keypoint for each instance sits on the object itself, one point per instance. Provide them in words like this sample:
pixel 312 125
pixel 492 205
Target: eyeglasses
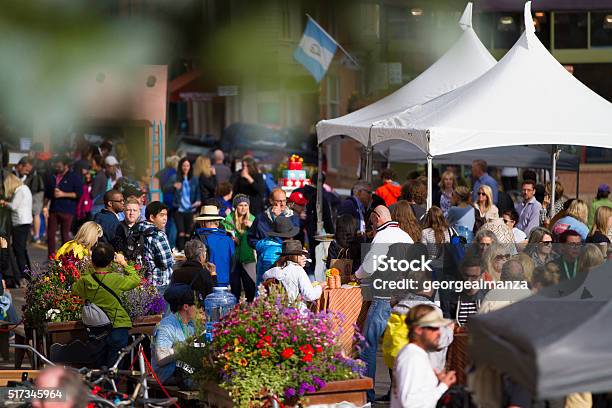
pixel 507 221
pixel 482 194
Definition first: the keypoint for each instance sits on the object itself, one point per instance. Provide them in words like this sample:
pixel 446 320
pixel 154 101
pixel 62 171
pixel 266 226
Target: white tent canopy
pixel 526 98
pixel 465 61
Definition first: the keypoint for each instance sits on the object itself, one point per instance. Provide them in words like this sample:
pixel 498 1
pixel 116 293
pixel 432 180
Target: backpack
pixel 456 396
pixel 134 243
pixel 454 252
pixel 95 320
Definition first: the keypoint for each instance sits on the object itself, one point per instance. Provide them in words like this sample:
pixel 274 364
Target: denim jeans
pixel 111 345
pixel 375 325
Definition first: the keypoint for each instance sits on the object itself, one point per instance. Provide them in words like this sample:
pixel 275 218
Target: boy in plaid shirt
pixel 157 252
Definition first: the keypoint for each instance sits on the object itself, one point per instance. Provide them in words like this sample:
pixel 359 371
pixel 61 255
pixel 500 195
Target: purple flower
pixel 318 382
pixel 290 393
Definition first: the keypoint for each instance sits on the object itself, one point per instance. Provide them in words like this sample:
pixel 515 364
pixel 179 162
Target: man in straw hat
pixel 220 245
pixel 416 383
pixel 270 248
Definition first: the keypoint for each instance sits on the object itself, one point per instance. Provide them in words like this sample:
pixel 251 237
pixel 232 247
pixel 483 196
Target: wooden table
pixel 346 302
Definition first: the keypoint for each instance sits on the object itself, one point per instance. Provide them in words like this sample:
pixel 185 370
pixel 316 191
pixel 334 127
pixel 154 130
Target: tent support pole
pixel 369 158
pixel 429 181
pixel 578 180
pixel 553 179
pixel 320 191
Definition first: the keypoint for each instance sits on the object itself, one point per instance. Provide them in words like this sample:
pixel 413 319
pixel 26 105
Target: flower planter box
pixel 353 391
pixel 66 332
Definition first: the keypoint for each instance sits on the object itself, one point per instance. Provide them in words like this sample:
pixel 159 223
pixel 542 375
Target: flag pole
pixel 332 38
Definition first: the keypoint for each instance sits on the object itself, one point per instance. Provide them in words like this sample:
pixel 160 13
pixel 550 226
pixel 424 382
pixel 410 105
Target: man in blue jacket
pixel 264 222
pixel 108 216
pixel 62 192
pixel 220 245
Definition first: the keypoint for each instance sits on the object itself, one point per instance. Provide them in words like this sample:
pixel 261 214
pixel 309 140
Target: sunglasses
pixel 482 194
pixel 507 221
pixel 502 257
pixel 546 243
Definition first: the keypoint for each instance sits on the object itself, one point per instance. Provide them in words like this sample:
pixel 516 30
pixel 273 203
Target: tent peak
pixel 466 18
pixel 529 26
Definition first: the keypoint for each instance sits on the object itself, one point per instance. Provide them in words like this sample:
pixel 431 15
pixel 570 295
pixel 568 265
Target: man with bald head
pixel 386 233
pixel 68 382
pixel 222 172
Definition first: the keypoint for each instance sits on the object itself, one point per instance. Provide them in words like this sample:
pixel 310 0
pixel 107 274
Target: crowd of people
pixel 235 229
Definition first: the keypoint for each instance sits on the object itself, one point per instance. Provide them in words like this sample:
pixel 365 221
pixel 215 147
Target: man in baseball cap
pixel 415 383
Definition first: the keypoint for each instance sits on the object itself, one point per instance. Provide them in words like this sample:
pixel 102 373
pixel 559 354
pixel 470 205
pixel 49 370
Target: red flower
pixel 62 277
pixel 263 331
pixel 318 348
pixel 265 353
pixel 267 339
pixel 287 353
pixel 307 349
pixel 307 358
pixel 138 267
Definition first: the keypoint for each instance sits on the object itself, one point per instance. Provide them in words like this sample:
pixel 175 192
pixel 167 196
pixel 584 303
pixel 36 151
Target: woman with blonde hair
pixel 205 172
pixel 448 184
pixel 602 223
pixel 20 203
pixel 493 259
pixel 590 258
pixel 575 219
pixel 238 223
pixel 84 240
pixel 484 204
pixel 403 214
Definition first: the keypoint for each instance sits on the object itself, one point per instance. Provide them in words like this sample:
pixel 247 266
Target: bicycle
pixel 96 379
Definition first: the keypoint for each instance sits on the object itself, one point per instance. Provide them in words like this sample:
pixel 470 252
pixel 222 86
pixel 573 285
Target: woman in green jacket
pixel 238 223
pixel 88 288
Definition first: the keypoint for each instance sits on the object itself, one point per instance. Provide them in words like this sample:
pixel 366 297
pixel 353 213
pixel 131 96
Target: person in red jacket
pixel 390 189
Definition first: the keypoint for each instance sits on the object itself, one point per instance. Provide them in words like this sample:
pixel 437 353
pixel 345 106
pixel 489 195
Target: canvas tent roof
pixel 512 156
pixel 465 61
pixel 526 98
pixel 554 343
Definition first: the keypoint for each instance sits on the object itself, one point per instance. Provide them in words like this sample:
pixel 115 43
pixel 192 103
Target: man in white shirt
pixel 416 384
pixel 387 232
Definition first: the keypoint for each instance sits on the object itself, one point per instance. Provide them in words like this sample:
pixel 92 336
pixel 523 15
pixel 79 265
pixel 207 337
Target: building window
pixel 508 28
pixel 331 100
pixel 571 30
pixel 541 21
pixel 407 23
pixel 601 29
pixel 370 17
pixel 333 156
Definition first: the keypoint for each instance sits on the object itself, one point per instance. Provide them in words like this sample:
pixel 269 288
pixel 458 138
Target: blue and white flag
pixel 316 50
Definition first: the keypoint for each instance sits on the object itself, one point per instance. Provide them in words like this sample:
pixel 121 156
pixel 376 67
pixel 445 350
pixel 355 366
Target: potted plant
pixel 272 349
